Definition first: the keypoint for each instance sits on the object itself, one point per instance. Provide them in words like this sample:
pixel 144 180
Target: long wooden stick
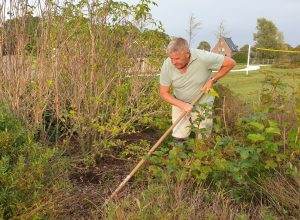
pixel 156 145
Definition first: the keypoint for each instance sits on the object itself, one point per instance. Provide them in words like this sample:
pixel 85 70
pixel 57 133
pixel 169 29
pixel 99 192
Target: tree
pixel 221 31
pixel 244 48
pixel 268 35
pixel 204 45
pixel 287 46
pixel 193 26
pixel 242 55
pixel 295 57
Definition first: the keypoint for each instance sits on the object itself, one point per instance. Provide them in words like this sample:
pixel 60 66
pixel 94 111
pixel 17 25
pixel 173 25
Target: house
pixel 225 46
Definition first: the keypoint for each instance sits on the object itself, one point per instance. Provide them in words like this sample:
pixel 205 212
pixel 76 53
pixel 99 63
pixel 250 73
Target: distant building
pixel 225 46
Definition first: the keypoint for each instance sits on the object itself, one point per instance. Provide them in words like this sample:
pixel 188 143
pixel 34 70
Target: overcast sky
pixel 240 18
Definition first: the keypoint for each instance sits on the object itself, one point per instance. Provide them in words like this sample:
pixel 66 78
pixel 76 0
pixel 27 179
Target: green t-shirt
pixel 186 87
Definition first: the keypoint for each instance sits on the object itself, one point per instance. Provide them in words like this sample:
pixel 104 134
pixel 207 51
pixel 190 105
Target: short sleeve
pixel 214 61
pixel 165 78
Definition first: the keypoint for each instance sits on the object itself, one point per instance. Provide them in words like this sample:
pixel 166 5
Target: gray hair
pixel 177 44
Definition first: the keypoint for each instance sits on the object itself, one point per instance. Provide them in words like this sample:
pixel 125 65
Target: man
pixel 189 72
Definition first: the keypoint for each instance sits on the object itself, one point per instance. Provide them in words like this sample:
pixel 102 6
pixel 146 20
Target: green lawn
pixel 240 66
pixel 249 86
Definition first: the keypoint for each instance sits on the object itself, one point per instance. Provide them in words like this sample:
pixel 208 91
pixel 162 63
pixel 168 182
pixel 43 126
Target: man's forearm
pixel 172 100
pixel 227 66
pixel 165 94
pixel 222 72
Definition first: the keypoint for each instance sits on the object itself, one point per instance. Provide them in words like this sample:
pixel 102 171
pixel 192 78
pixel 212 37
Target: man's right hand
pixel 186 107
pixel 164 92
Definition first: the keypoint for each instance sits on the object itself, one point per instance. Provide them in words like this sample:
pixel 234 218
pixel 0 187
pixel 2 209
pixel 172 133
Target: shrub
pixel 258 147
pixel 27 169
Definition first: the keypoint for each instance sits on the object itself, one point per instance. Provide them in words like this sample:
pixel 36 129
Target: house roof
pixel 230 44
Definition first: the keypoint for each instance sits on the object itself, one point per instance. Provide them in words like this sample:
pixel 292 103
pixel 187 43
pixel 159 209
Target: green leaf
pixel 221 164
pixel 213 93
pixel 244 153
pixel 256 137
pixel 272 130
pixel 257 125
pixel 270 164
pixel 156 171
pixel 273 123
pixel 272 147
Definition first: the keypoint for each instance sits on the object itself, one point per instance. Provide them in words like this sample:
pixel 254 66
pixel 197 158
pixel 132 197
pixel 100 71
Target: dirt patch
pixel 93 184
pixel 88 177
pixel 151 135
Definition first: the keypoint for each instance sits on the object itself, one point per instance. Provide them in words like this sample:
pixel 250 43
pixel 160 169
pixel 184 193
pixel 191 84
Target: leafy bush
pixel 81 81
pixel 240 57
pixel 231 161
pixel 27 170
pixel 239 160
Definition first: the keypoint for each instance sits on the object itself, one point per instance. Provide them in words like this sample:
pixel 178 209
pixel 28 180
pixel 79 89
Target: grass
pixel 248 86
pixel 240 66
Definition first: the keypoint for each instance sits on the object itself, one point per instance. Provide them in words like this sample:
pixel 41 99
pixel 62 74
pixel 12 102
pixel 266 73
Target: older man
pixel 188 71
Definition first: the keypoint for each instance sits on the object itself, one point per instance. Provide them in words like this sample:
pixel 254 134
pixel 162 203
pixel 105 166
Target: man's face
pixel 180 59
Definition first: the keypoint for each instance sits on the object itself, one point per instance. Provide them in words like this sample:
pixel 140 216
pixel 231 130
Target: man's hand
pixel 207 86
pixel 186 107
pixel 164 92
